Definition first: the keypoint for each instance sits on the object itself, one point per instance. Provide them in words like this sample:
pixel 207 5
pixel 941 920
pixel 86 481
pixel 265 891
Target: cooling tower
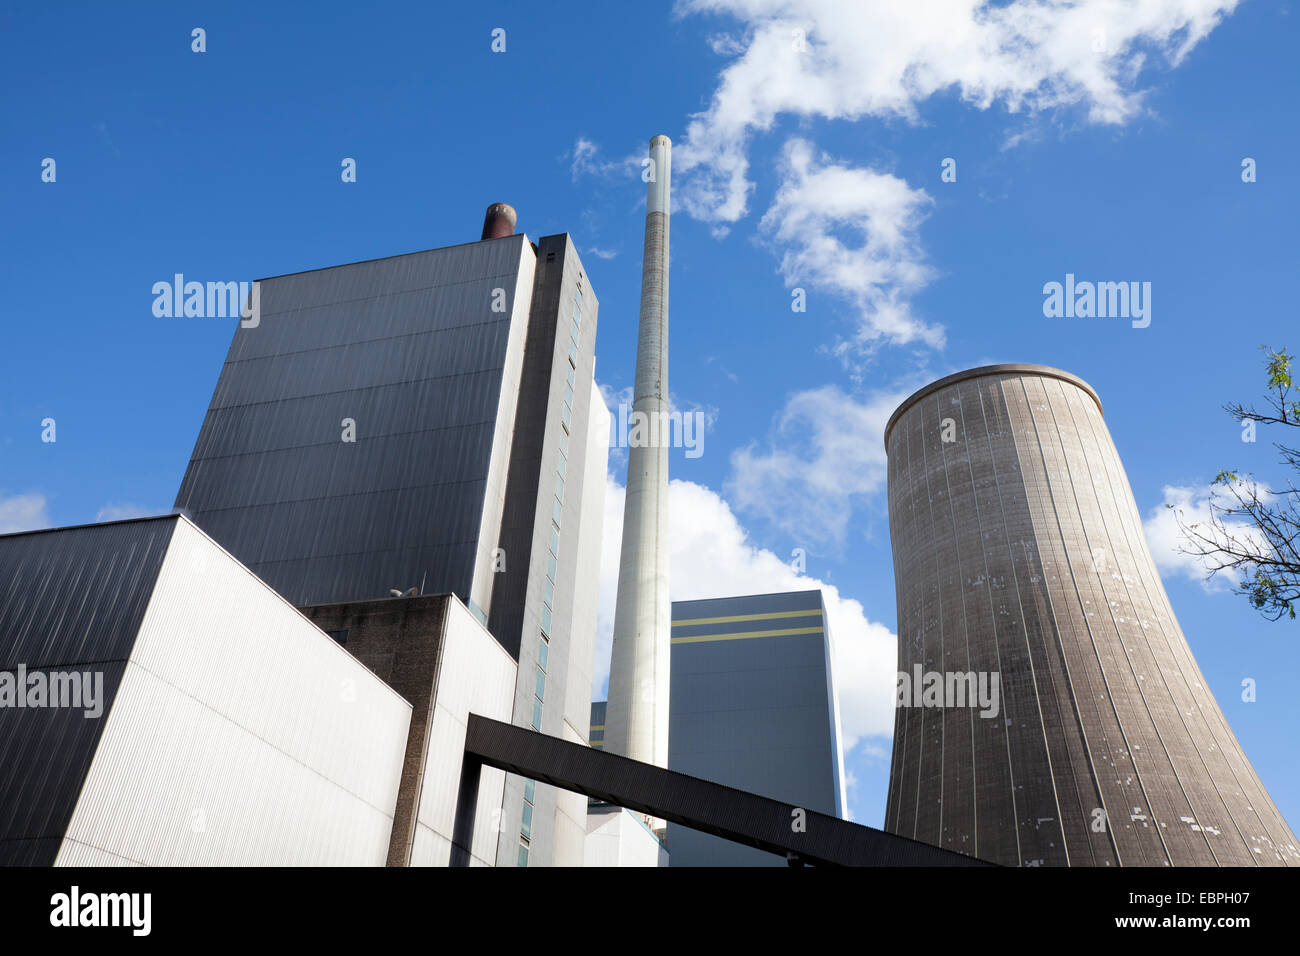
pixel 1050 711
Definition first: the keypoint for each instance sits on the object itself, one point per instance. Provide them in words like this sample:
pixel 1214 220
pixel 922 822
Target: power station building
pixel 431 422
pixel 753 707
pixel 1050 710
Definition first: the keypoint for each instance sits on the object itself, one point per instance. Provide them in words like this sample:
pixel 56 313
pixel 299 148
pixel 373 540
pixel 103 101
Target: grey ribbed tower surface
pixel 1019 551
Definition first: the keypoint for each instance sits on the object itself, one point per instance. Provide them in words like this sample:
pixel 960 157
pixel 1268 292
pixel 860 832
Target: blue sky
pixel 816 168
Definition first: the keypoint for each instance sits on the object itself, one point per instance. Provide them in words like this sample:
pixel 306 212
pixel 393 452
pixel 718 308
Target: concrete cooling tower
pixel 1050 710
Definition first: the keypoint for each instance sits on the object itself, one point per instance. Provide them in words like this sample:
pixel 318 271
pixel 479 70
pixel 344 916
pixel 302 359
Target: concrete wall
pixel 1019 551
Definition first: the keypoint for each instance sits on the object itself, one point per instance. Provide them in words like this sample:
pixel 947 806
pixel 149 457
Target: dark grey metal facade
pixel 411 350
pixel 1019 552
pixel 753 707
pixel 70 599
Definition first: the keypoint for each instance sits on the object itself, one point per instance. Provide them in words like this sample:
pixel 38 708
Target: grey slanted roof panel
pixel 71 599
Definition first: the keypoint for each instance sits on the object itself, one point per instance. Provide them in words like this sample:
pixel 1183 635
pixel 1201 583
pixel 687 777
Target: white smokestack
pixel 636 719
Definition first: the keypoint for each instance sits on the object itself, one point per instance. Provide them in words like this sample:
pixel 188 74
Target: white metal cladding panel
pixel 477 676
pixel 582 634
pixel 175 783
pixel 429 849
pixel 234 706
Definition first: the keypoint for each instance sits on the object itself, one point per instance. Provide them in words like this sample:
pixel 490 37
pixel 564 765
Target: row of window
pixel 552 562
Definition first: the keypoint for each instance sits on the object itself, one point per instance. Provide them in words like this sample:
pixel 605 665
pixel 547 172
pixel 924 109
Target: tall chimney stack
pixel 636 718
pixel 499 221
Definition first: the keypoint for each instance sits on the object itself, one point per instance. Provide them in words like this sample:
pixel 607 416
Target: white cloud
pixel 120 511
pixel 828 452
pixel 711 556
pixel 603 253
pixel 585 160
pixel 883 58
pixel 1169 546
pixel 820 200
pixel 23 513
pixel 841 60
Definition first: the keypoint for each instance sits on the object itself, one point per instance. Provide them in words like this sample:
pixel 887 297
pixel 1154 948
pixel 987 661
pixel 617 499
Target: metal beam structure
pixel 802 836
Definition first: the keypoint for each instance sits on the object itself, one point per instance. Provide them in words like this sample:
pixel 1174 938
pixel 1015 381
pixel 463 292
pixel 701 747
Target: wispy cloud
pixel 880 58
pixel 26 512
pixel 825 456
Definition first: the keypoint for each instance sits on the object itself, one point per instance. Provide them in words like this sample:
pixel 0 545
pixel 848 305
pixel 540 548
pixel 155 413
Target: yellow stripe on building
pixel 742 635
pixel 765 616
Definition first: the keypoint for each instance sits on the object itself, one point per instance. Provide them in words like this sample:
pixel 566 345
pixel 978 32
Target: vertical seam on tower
pixel 965 628
pixel 997 651
pixel 1177 657
pixel 1092 637
pixel 1055 624
pixel 1128 594
pixel 943 722
pixel 1029 651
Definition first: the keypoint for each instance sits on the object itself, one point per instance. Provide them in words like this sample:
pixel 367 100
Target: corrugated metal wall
pixel 70 600
pixel 410 349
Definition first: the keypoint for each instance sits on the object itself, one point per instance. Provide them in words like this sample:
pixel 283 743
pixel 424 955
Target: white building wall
pixel 476 676
pixel 241 735
pixel 616 837
pixel 571 808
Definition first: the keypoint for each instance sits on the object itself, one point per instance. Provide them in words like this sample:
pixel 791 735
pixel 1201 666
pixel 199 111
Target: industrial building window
pixel 543 652
pixel 573 355
pixel 561 466
pixel 550 566
pixel 530 791
pixel 559 488
pixel 555 541
pixel 537 714
pixel 526 829
pixel 566 418
pixel 523 853
pixel 546 619
pixel 556 513
pixel 548 592
pixel 568 395
pixel 541 684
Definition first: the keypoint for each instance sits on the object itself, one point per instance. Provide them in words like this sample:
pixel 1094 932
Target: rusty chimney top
pixel 499 221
